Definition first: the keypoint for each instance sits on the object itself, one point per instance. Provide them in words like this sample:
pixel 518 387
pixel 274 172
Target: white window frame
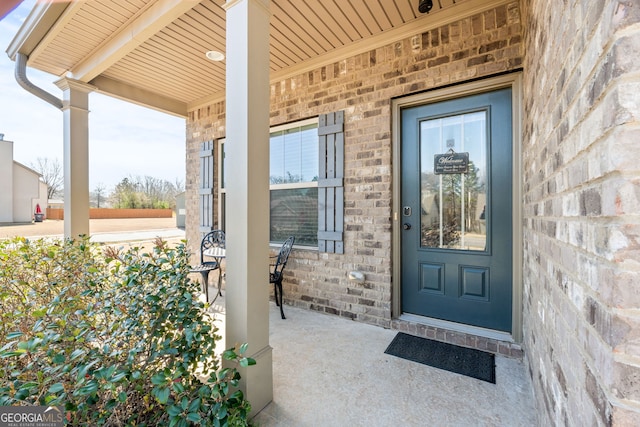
pixel 222 192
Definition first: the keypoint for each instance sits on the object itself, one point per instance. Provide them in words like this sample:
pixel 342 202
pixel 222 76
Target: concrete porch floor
pixel 330 371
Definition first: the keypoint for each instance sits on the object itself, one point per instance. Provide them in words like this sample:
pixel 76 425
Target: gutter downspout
pixel 21 78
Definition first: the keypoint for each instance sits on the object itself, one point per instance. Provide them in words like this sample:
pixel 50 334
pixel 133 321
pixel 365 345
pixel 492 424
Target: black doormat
pixel 466 361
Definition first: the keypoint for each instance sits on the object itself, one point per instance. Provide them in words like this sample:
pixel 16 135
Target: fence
pixel 103 213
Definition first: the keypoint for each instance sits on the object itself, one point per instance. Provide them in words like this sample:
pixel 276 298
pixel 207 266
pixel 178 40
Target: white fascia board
pixel 36 27
pixel 145 26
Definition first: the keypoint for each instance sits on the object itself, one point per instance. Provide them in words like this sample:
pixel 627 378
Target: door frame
pixel 513 81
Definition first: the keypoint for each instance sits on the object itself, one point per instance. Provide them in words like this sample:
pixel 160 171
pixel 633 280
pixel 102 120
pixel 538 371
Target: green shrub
pixel 116 337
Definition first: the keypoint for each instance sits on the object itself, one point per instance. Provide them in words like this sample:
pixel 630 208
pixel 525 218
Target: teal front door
pixel 456 210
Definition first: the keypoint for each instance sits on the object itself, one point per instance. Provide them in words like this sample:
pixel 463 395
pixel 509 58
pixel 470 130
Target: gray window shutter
pixel 331 183
pixel 206 186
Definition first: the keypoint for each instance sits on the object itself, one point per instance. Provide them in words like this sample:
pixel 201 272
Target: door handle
pixel 406 226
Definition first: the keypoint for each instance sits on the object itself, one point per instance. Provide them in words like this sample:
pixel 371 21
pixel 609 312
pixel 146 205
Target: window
pixel 293 182
pixel 293 179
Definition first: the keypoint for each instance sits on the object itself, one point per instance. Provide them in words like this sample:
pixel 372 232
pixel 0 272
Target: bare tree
pixel 99 194
pixel 178 185
pixel 52 175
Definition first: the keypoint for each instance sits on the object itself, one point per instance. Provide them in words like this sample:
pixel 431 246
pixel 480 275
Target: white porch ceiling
pixel 153 51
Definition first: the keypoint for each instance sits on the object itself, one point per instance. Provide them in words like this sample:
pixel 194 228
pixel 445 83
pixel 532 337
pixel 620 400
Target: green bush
pixel 116 337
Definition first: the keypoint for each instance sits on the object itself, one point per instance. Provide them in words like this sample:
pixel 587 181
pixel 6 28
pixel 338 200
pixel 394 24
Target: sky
pixel 124 139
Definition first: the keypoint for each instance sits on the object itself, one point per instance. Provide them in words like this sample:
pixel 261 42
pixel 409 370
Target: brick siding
pixel 581 205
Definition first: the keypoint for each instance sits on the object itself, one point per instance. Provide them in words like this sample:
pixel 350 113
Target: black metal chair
pixel 276 269
pixel 214 241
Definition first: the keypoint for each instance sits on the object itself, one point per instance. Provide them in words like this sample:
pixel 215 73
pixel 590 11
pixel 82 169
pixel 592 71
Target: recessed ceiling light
pixel 214 55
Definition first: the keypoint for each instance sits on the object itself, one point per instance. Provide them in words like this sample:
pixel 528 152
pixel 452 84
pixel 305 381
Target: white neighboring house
pixel 21 188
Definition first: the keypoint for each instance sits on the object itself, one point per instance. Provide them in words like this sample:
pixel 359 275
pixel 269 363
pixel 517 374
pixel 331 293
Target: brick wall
pixel 363 85
pixel 581 210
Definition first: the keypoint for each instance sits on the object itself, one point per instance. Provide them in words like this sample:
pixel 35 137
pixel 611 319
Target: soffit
pixel 156 48
pixel 81 30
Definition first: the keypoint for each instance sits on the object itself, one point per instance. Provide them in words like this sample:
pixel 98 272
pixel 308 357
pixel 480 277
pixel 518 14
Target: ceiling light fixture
pixel 214 55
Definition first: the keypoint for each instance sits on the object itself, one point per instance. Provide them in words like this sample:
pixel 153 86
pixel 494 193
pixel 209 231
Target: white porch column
pixel 247 211
pixel 75 113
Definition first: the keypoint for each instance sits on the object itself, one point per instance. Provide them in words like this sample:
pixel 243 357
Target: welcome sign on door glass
pixel 451 162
